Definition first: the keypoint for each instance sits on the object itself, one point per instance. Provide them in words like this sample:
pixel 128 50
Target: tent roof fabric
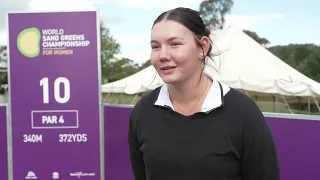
pixel 242 63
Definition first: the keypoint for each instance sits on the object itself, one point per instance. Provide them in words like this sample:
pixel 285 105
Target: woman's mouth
pixel 168 69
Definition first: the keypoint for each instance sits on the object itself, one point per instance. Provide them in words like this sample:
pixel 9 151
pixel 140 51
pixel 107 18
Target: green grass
pixel 265 106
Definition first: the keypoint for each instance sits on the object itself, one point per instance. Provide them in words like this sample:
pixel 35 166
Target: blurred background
pixel 277 36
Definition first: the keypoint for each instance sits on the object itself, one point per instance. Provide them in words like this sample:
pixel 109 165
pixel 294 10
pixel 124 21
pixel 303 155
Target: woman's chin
pixel 169 79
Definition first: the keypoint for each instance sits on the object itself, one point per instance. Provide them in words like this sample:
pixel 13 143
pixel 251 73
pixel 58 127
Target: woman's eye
pixel 175 44
pixel 154 47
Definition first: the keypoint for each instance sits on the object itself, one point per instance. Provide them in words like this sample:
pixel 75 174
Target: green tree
pixel 294 54
pixel 258 39
pixel 145 64
pixel 311 66
pixel 213 12
pixel 122 68
pixel 302 57
pixel 109 48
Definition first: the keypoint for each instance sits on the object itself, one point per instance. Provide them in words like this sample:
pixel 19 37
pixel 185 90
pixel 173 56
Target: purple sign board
pixel 55 101
pixel 117 164
pixel 296 139
pixel 3 143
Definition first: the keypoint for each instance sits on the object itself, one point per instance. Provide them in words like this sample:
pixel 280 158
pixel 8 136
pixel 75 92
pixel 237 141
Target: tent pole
pixel 117 100
pixel 317 104
pixel 286 104
pixel 135 97
pixel 120 100
pixel 299 103
pixel 275 103
pixel 283 98
pixel 309 105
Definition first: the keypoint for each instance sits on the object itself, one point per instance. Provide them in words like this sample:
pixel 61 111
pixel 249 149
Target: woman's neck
pixel 189 91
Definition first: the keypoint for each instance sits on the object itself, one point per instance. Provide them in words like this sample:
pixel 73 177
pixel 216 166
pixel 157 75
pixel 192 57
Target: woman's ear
pixel 205 43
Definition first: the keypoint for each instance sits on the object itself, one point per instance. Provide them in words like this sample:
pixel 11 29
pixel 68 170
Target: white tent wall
pixel 245 64
pixel 241 63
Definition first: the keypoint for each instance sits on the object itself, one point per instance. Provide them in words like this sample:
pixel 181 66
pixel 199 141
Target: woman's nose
pixel 164 54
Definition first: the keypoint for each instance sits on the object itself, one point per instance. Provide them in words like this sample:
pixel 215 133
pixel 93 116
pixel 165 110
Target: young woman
pixel 194 127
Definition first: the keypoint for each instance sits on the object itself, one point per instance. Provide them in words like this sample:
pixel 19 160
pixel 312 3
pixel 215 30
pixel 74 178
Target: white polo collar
pixel 213 99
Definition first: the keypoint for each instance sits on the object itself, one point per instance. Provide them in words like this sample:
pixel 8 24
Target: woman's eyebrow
pixel 170 39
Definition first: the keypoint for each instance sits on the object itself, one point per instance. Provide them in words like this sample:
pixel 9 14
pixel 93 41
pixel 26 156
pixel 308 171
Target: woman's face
pixel 175 53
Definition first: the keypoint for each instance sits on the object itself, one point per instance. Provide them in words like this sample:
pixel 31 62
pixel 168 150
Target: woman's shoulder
pixel 245 112
pixel 146 101
pixel 242 104
pixel 239 98
pixel 148 98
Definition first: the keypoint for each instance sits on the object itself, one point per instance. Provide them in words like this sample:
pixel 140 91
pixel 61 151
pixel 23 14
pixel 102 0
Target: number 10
pixel 44 82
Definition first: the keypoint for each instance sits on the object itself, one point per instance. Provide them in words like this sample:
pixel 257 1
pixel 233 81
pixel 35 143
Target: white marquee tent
pixel 243 64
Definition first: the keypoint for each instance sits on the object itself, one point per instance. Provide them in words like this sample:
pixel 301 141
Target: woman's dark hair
pixel 191 20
